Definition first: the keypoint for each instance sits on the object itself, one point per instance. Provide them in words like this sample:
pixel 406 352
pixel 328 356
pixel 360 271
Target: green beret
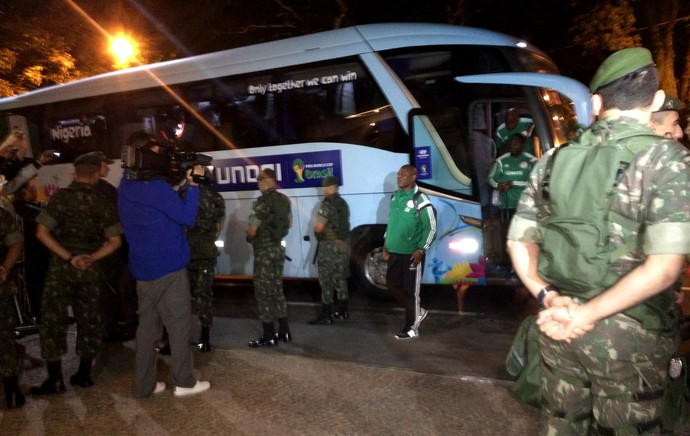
pixel 266 174
pixel 671 103
pixel 620 64
pixel 330 181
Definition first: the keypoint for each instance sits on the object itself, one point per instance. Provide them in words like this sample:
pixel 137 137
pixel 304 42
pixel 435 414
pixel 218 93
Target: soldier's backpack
pixel 579 184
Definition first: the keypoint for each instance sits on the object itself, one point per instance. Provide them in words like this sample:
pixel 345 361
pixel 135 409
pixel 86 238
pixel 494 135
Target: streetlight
pixel 124 49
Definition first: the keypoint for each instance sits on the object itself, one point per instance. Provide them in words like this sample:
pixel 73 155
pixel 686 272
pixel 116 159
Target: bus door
pixel 454 149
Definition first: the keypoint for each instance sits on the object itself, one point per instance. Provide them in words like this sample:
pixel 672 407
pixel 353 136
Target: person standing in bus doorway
pixel 269 222
pixel 11 357
pixel 154 217
pixel 80 228
pixel 607 346
pixel 512 124
pixel 666 121
pixel 202 244
pixel 510 174
pixel 411 230
pixel 331 229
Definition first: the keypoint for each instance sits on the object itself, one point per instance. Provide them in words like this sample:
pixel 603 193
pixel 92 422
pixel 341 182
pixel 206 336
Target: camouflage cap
pixel 620 64
pixel 266 173
pixel 93 158
pixel 671 103
pixel 330 181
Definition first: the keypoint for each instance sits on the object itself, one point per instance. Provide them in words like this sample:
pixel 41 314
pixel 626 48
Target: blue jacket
pixel 154 218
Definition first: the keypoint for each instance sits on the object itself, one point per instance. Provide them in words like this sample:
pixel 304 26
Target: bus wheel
pixel 369 268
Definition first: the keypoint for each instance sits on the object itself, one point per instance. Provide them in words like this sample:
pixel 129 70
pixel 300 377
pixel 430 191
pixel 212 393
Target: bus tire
pixel 367 266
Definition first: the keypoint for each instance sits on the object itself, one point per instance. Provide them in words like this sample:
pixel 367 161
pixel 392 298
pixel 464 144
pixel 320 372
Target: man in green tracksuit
pixel 510 174
pixel 513 125
pixel 411 230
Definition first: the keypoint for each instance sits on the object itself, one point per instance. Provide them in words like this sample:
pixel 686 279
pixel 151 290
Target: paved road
pixel 351 378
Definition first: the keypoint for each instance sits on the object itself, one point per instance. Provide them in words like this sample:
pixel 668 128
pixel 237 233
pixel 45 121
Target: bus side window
pixel 246 125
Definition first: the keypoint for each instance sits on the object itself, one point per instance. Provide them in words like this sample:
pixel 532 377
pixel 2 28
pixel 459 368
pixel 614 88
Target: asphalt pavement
pixel 350 378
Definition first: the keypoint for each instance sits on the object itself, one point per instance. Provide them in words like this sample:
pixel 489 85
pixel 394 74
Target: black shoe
pixel 344 314
pixel 164 349
pixel 13 396
pixel 264 342
pixel 48 387
pixel 204 347
pixel 284 336
pixel 322 320
pixel 83 380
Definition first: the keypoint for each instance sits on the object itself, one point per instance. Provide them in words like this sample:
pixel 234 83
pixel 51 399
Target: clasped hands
pixel 82 261
pixel 564 320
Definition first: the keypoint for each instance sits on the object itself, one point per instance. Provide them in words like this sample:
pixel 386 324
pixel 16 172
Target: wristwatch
pixel 542 294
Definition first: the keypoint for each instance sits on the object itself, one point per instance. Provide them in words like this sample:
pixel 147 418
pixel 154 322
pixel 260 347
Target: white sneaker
pixel 407 335
pixel 422 314
pixel 198 388
pixel 160 387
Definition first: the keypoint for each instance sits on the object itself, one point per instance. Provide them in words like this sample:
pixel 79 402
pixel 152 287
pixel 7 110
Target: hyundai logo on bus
pixel 294 170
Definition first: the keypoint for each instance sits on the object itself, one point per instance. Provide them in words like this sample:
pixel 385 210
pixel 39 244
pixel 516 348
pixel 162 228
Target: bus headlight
pixel 464 245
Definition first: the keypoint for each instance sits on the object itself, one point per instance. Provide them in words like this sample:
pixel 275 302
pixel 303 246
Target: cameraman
pixel 154 218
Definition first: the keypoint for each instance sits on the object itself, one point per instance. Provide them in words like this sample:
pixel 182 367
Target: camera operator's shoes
pixel 264 342
pixel 199 387
pixel 160 387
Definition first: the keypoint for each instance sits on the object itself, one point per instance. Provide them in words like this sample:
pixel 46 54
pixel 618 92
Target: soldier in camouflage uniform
pixel 11 356
pixel 79 227
pixel 331 229
pixel 604 371
pixel 269 222
pixel 202 244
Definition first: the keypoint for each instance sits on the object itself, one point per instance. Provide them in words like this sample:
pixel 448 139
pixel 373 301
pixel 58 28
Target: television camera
pixel 145 158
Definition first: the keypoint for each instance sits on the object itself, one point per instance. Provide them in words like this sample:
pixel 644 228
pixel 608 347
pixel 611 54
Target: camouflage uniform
pixel 271 216
pixel 11 355
pixel 332 256
pixel 202 244
pixel 597 376
pixel 81 221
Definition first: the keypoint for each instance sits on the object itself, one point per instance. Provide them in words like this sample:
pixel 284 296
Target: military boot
pixel 343 312
pixel 204 345
pixel 54 384
pixel 268 339
pixel 83 375
pixel 283 330
pixel 325 317
pixel 13 396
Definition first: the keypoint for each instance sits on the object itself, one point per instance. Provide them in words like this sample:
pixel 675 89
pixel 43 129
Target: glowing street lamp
pixel 124 50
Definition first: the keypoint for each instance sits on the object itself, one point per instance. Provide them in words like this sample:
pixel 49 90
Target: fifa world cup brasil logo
pixel 298 167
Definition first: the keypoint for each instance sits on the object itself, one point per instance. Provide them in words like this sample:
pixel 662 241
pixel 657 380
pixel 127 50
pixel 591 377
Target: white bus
pixel 356 103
